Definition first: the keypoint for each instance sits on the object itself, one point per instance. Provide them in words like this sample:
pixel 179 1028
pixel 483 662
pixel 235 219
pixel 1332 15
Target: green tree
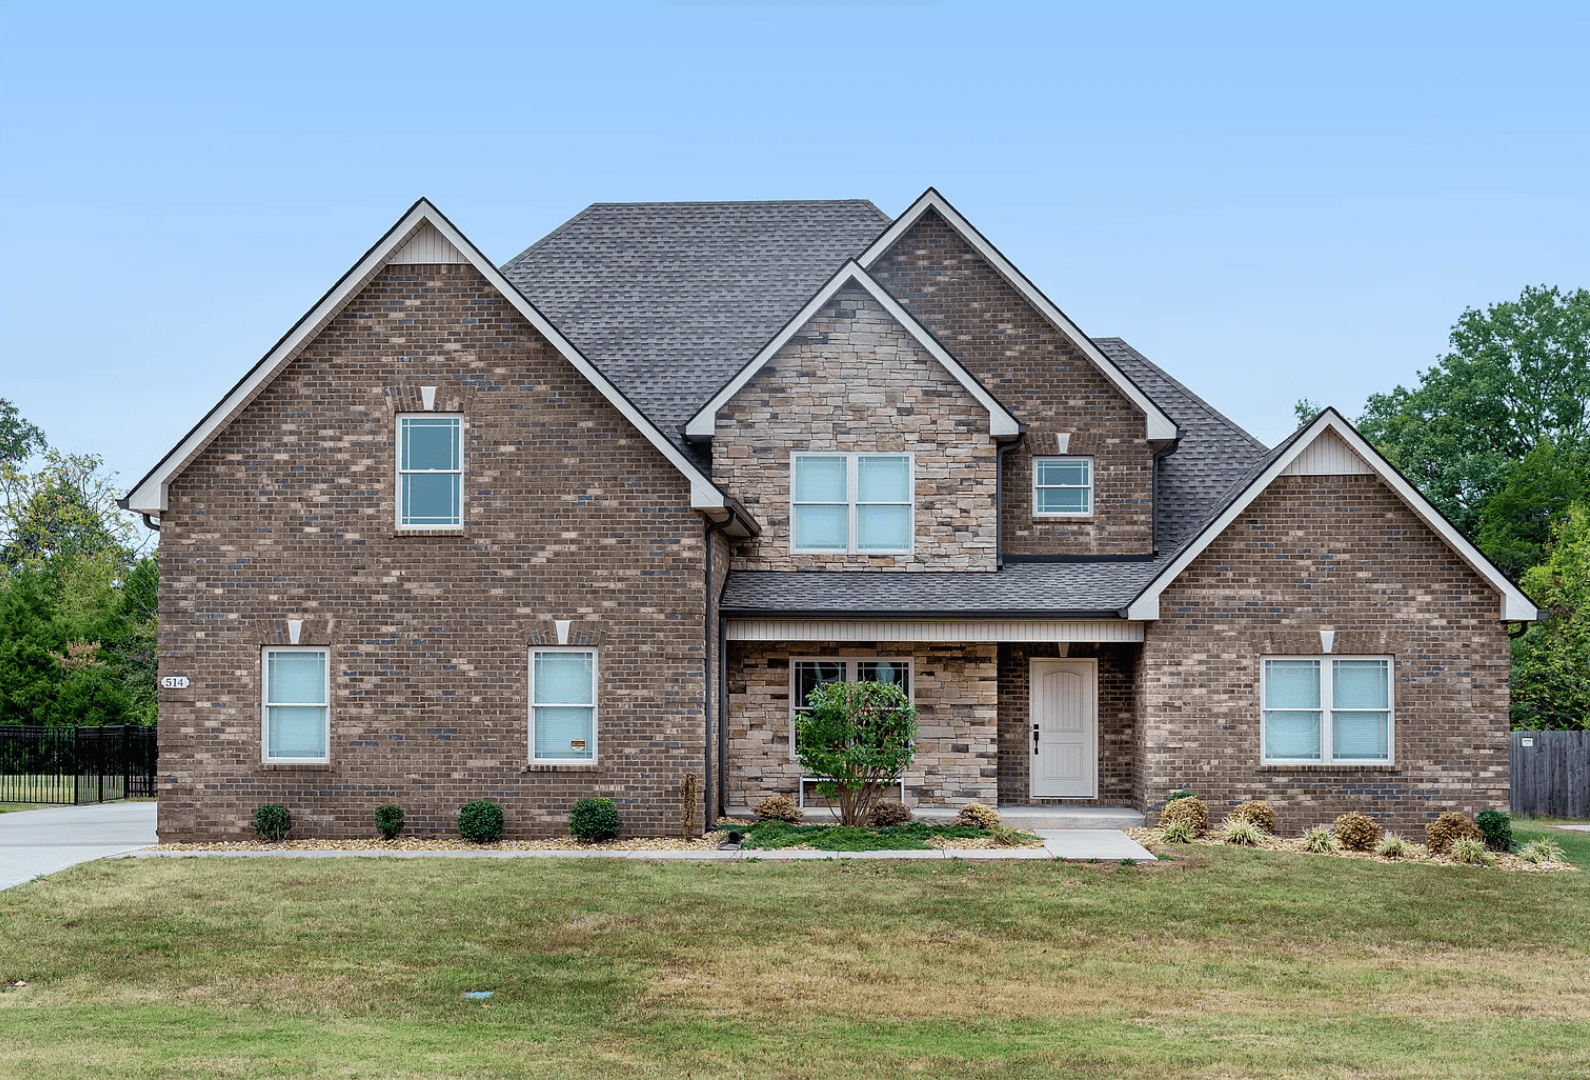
pixel 1551 663
pixel 856 737
pixel 19 440
pixel 1306 409
pixel 1517 375
pixel 1518 522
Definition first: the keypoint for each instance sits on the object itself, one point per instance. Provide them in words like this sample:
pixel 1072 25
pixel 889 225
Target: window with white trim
pixel 295 703
pixel 853 503
pixel 1325 710
pixel 562 705
pixel 430 471
pixel 1062 486
pixel 808 674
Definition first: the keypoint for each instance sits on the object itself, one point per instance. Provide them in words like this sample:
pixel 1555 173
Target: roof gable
pixel 1330 442
pixel 1001 424
pixel 1160 427
pixel 423 233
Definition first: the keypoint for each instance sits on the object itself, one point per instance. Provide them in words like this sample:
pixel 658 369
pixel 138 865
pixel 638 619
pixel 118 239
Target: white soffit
pixel 1160 427
pixel 149 495
pixel 1516 607
pixel 1001 424
pixel 846 629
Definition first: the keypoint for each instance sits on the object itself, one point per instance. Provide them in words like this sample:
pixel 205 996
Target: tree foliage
pixel 19 440
pixel 856 737
pixel 1551 662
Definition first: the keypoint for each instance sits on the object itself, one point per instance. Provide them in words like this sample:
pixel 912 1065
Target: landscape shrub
pixel 1173 796
pixel 779 808
pixel 1241 831
pixel 1190 810
pixel 977 816
pixel 1005 836
pixel 1319 840
pixel 1392 846
pixel 1542 851
pixel 857 738
pixel 889 813
pixel 1179 832
pixel 1496 829
pixel 1257 811
pixel 594 820
pixel 480 821
pixel 1471 850
pixel 1355 832
pixel 389 821
pixel 1450 826
pixel 272 822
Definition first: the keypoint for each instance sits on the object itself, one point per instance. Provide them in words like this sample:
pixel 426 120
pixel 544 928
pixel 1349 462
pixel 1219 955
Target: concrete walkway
pixel 34 842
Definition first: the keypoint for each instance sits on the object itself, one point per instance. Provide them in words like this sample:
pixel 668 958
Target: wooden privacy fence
pixel 1551 773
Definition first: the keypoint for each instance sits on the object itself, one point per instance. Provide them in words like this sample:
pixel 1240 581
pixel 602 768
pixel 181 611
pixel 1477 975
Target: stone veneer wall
pixel 854 380
pixel 1338 553
pixel 1117 722
pixel 955 686
pixel 570 514
pixel 1041 377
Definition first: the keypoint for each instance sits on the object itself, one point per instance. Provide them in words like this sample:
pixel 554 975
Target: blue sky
pixel 1268 205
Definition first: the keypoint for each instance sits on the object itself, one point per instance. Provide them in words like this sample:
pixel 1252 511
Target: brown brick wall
pixel 1043 379
pixel 955 688
pixel 1117 722
pixel 570 514
pixel 854 380
pixel 1340 553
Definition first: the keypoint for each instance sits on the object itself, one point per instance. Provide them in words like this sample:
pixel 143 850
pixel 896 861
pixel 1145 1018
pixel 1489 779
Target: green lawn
pixel 1222 964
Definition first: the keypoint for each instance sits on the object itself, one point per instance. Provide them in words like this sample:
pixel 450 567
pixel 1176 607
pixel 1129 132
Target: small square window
pixel 430 472
pixel 1062 487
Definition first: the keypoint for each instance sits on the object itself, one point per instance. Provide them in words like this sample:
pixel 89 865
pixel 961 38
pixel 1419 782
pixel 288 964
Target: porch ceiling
pixel 1096 630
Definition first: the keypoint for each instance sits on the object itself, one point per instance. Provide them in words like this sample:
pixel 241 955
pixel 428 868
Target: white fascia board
pixel 149 495
pixel 1159 426
pixel 1001 425
pixel 1516 607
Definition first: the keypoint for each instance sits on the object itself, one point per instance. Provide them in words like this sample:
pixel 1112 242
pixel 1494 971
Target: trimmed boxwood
pixel 594 820
pixel 389 821
pixel 272 822
pixel 480 821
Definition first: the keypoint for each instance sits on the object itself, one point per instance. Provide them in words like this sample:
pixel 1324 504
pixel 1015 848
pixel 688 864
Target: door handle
pixel 1035 738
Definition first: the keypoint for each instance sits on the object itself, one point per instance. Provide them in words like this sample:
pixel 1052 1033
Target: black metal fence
pixel 74 765
pixel 1551 773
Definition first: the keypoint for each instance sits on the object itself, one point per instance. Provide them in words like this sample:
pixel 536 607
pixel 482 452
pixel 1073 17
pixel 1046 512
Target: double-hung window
pixel 296 702
pixel 563 705
pixel 1328 710
pixel 808 675
pixel 430 471
pixel 854 503
pixel 1062 487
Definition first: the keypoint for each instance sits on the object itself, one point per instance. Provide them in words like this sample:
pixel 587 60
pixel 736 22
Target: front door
pixel 1064 740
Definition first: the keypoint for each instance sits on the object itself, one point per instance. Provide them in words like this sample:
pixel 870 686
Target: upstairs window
pixel 1062 487
pixel 430 472
pixel 1328 710
pixel 853 503
pixel 296 702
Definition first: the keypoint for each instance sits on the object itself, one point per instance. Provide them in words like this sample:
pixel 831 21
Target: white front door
pixel 1063 743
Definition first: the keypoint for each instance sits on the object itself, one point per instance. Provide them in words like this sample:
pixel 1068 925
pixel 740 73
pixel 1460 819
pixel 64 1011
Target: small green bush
pixel 272 822
pixel 389 821
pixel 1496 829
pixel 1450 826
pixel 1241 831
pixel 779 808
pixel 480 821
pixel 1471 850
pixel 1173 796
pixel 1355 832
pixel 889 813
pixel 1257 811
pixel 1542 851
pixel 977 816
pixel 1319 840
pixel 1179 832
pixel 1392 846
pixel 1190 810
pixel 594 820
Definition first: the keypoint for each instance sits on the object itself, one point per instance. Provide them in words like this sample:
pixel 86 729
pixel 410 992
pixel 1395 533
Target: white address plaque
pixel 176 682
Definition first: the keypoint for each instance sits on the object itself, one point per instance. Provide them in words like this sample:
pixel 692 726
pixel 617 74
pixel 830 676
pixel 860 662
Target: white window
pixel 296 701
pixel 430 471
pixel 807 675
pixel 857 503
pixel 1062 487
pixel 1328 709
pixel 563 705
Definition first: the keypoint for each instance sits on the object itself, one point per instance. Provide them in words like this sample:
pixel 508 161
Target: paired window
pixel 430 471
pixel 808 675
pixel 296 704
pixel 563 705
pixel 1062 487
pixel 1328 710
pixel 851 503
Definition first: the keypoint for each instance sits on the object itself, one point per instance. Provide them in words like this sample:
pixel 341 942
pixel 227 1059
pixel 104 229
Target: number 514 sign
pixel 176 682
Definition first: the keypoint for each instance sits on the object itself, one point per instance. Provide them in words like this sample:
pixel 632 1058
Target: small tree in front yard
pixel 856 737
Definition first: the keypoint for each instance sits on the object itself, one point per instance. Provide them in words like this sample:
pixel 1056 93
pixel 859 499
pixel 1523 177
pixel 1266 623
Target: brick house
pixel 601 517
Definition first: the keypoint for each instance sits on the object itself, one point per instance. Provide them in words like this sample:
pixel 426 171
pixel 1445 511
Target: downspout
pixel 151 524
pixel 723 712
pixel 999 499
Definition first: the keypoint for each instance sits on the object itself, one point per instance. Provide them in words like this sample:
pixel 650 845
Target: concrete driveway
pixel 34 842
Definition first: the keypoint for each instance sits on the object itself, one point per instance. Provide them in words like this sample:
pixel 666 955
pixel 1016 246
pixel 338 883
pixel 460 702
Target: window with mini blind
pixel 562 705
pixel 1328 710
pixel 430 471
pixel 296 704
pixel 1062 487
pixel 808 674
pixel 851 503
